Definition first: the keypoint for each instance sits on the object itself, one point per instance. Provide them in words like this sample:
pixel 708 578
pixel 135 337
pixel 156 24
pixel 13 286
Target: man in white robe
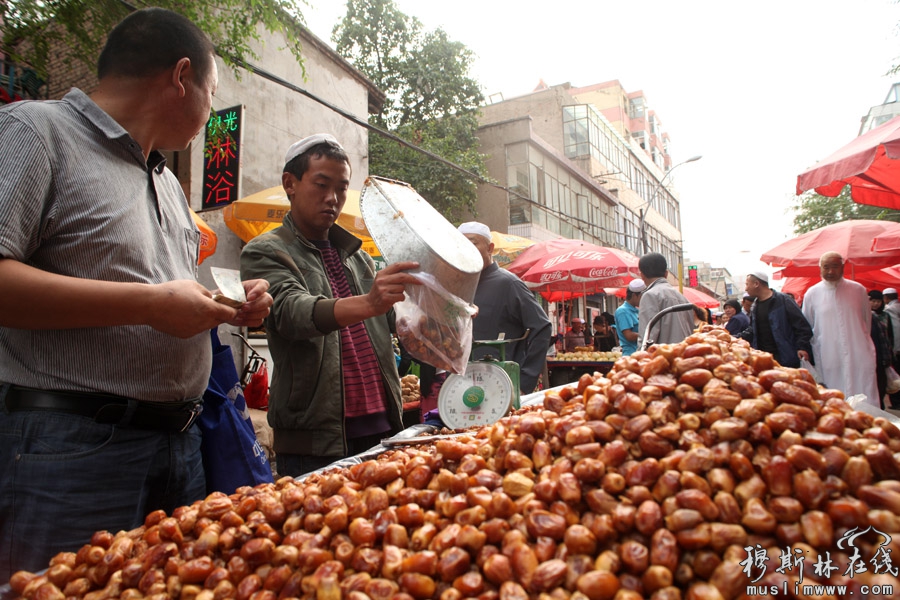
pixel 838 311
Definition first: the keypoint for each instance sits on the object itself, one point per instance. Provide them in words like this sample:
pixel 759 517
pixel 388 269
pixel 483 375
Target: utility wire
pixel 387 134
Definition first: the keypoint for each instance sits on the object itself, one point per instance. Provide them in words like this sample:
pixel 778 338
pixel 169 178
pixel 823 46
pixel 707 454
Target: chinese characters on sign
pixel 692 276
pixel 792 563
pixel 222 156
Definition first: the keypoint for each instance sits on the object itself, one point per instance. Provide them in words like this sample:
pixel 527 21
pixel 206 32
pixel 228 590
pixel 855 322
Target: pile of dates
pixel 699 470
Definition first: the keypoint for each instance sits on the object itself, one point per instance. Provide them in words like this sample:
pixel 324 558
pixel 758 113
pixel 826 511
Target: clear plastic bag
pixel 435 326
pixel 893 381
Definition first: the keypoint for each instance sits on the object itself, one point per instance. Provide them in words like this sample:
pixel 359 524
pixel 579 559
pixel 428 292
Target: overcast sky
pixel 761 90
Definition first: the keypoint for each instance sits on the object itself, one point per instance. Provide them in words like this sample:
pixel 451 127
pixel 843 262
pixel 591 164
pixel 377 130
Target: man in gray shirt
pixel 104 331
pixel 660 294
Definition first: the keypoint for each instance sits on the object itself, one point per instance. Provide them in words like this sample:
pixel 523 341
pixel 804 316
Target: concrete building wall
pixel 275 117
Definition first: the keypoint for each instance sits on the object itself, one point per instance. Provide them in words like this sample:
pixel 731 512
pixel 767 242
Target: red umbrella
pixel 872 280
pixel 694 296
pixel 866 164
pixel 574 266
pixel 886 242
pixel 852 239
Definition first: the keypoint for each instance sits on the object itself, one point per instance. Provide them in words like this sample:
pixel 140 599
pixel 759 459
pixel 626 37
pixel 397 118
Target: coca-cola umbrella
pixel 868 164
pixel 574 266
pixel 799 257
pixel 694 296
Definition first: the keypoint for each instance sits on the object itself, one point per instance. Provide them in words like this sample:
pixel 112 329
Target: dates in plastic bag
pixel 435 326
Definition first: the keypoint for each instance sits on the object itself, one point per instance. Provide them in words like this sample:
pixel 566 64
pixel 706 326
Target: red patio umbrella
pixel 872 280
pixel 694 296
pixel 886 242
pixel 867 164
pixel 574 266
pixel 852 239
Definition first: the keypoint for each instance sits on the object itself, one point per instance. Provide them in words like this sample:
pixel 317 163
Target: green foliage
pixel 814 211
pixel 32 27
pixel 431 102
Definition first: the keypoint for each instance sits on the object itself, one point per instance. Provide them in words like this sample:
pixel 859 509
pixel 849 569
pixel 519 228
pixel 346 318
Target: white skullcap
pixel 748 296
pixel 637 285
pixel 476 228
pixel 889 291
pixel 306 143
pixel 761 275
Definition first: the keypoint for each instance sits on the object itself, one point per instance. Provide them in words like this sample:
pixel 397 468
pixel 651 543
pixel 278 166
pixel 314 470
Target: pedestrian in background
pixel 777 325
pixel 659 295
pixel 892 307
pixel 747 301
pixel 627 317
pixel 576 336
pixel 841 319
pixel 737 320
pixel 506 306
pixel 883 338
pixel 605 338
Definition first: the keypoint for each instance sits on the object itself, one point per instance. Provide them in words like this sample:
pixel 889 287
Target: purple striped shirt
pixel 365 401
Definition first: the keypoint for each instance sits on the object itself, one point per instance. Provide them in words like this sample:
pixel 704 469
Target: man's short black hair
pixel 299 165
pixel 653 265
pixel 151 40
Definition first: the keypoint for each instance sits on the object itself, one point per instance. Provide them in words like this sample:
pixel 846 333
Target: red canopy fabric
pixel 886 242
pixel 574 266
pixel 872 280
pixel 852 239
pixel 694 296
pixel 867 164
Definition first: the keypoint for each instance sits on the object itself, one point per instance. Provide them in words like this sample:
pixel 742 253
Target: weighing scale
pixel 485 393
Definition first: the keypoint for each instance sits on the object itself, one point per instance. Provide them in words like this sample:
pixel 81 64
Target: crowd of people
pixel 117 438
pixel 847 337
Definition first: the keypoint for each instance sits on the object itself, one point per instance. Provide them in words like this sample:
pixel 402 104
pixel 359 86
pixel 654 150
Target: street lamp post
pixel 656 189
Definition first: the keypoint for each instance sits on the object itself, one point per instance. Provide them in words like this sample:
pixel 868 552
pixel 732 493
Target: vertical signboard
pixel 693 280
pixel 222 158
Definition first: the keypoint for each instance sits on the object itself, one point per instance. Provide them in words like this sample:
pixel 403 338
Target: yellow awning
pixel 264 211
pixel 508 246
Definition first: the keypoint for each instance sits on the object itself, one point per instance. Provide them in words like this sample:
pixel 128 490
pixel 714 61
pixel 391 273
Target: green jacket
pixel 306 399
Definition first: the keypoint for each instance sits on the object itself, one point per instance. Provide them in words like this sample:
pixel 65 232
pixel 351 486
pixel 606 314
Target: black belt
pixel 103 408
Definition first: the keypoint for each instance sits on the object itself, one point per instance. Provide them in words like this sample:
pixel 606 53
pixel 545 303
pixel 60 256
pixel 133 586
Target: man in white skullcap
pixel 507 306
pixel 841 319
pixel 335 389
pixel 777 325
pixel 627 317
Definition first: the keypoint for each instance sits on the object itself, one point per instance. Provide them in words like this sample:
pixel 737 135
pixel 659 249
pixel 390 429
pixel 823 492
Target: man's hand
pixel 257 306
pixel 803 355
pixel 185 308
pixel 388 287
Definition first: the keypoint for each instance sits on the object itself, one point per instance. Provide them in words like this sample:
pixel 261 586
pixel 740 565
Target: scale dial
pixel 481 396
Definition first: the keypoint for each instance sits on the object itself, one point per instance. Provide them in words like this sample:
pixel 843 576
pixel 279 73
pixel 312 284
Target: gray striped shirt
pixel 77 198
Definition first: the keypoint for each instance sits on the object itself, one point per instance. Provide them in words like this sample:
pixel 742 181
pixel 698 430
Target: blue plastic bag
pixel 232 456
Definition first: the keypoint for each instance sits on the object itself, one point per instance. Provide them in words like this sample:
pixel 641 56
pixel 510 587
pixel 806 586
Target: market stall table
pixel 561 372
